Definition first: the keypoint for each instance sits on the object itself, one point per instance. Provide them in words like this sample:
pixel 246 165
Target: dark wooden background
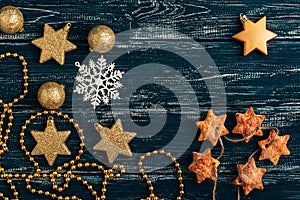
pixel 268 83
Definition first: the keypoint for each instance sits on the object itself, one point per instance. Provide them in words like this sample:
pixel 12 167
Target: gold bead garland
pixel 36 164
pixel 68 166
pixel 74 164
pixel 7 112
pixel 152 196
pixel 7 107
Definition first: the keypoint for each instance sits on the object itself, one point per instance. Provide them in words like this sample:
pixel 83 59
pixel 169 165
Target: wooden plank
pixel 255 80
pixel 269 83
pixel 204 20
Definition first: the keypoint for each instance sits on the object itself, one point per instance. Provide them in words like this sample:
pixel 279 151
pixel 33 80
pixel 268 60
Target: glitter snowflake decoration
pixel 98 81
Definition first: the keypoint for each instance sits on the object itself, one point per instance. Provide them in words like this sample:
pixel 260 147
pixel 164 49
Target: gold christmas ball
pixel 11 20
pixel 51 95
pixel 101 39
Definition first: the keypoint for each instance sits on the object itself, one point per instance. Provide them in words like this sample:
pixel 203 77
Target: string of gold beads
pixel 68 166
pixel 152 196
pixel 7 113
pixel 7 107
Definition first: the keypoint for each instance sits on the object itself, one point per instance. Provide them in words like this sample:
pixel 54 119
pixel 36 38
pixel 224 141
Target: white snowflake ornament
pixel 98 81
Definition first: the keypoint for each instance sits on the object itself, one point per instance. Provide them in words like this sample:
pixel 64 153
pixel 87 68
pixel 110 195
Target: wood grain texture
pixel 269 83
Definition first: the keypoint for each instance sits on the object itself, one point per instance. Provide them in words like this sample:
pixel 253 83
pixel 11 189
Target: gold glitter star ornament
pixel 50 142
pixel 114 140
pixel 54 44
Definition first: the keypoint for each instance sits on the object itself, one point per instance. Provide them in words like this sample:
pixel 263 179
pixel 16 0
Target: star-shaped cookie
pixel 273 147
pixel 114 140
pixel 249 176
pixel 50 142
pixel 204 165
pixel 212 127
pixel 54 44
pixel 248 124
pixel 255 36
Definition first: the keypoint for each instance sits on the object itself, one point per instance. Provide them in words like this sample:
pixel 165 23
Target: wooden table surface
pixel 268 83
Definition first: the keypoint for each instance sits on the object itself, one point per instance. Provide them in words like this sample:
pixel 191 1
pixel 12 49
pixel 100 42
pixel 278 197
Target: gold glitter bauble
pixel 51 95
pixel 101 39
pixel 11 20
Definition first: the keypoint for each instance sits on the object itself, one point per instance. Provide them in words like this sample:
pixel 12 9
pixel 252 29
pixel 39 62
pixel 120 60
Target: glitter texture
pixel 11 20
pixel 114 140
pixel 101 39
pixel 54 44
pixel 50 142
pixel 51 95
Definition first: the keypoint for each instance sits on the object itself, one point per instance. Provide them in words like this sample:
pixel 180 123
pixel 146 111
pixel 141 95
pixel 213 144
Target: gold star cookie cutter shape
pixel 204 165
pixel 114 140
pixel 254 35
pixel 50 142
pixel 249 176
pixel 248 124
pixel 273 147
pixel 54 44
pixel 212 128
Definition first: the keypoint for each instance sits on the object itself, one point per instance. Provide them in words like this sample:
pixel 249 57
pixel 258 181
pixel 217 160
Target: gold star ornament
pixel 254 35
pixel 114 140
pixel 50 142
pixel 54 44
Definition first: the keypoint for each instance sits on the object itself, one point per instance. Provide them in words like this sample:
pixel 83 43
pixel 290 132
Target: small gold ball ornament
pixel 11 20
pixel 101 39
pixel 51 95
